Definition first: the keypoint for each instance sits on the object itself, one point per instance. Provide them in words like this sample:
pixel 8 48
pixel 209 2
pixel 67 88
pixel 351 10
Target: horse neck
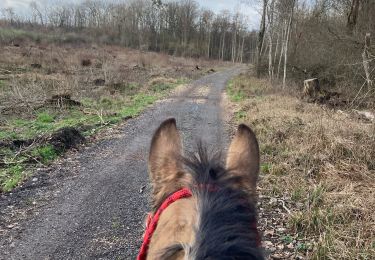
pixel 175 226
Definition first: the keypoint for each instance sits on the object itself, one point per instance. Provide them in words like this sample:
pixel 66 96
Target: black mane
pixel 227 225
pixel 227 216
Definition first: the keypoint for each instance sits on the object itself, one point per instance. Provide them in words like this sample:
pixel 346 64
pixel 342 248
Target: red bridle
pixel 152 221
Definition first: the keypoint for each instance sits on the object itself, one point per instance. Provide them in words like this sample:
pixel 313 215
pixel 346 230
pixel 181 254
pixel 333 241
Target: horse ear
pixel 243 156
pixel 165 155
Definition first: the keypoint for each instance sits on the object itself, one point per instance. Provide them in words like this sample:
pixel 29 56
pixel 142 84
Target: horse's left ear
pixel 243 156
pixel 165 164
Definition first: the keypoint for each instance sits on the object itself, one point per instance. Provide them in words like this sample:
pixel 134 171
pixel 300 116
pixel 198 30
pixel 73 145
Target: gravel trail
pixel 89 206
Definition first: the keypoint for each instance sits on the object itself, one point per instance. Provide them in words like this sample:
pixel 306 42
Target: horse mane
pixel 226 227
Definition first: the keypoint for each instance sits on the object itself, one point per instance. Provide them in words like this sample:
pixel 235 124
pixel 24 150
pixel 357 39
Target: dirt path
pixel 91 206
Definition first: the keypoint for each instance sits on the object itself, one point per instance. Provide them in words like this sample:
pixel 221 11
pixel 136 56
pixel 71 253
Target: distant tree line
pixel 175 27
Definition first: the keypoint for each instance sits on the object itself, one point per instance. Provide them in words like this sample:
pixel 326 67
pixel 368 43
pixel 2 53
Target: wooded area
pixel 298 39
pixel 180 28
pixel 325 39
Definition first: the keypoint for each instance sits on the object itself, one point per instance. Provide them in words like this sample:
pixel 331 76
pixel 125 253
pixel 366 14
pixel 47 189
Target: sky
pixel 251 11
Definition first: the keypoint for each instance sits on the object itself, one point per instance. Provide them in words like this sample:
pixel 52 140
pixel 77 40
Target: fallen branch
pixel 282 202
pixel 284 207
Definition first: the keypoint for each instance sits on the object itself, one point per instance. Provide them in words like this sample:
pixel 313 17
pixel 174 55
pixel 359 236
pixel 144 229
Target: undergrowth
pixel 320 161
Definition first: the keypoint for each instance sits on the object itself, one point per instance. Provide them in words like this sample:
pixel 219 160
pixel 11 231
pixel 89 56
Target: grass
pixel 320 161
pixel 287 239
pixel 2 84
pixel 45 118
pixel 92 117
pixel 118 84
pixel 10 34
pixel 10 177
pixel 107 110
pixel 7 34
pixel 45 153
pixel 235 95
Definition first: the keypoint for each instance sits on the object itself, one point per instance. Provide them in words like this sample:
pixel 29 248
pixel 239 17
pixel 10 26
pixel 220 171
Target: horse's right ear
pixel 165 155
pixel 243 156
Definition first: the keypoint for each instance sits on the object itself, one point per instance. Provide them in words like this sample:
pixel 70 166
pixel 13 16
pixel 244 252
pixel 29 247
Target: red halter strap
pixel 152 221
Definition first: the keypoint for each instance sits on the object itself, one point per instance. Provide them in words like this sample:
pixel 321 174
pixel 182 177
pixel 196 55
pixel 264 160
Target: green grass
pixel 6 135
pixel 234 94
pixel 44 154
pixel 302 247
pixel 10 177
pixel 287 239
pixel 266 168
pixel 94 116
pixel 2 84
pixel 298 194
pixel 316 196
pixel 44 122
pixel 241 115
pixel 131 88
pixel 162 87
pixel 45 118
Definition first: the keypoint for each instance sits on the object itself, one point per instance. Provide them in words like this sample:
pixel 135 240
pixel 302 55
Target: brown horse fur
pixel 165 166
pixel 185 227
pixel 243 159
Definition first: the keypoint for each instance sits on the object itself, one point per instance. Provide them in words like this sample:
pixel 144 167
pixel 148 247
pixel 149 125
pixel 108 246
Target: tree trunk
pixel 208 45
pixel 353 16
pixel 270 62
pixel 287 42
pixel 270 39
pixel 261 38
pixel 311 88
pixel 366 58
pixel 276 47
pixel 242 49
pixel 283 35
pixel 223 47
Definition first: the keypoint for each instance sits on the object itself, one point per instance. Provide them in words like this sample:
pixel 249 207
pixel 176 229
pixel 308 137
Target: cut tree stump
pixel 311 88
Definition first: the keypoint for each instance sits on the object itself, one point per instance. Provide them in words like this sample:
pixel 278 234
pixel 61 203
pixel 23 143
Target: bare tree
pixel 353 15
pixel 175 27
pixel 293 3
pixel 261 33
pixel 35 8
pixel 366 56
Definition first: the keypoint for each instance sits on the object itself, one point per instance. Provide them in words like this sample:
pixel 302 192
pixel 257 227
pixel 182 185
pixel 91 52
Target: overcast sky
pixel 216 5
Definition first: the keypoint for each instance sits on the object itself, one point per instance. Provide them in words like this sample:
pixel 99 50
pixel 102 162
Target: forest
pixel 296 40
pixel 179 28
pixel 326 39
